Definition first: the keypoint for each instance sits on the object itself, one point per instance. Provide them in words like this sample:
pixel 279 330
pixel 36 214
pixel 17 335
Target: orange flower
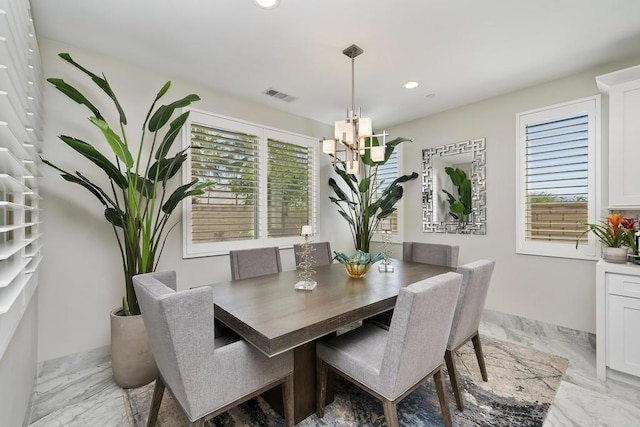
pixel 615 219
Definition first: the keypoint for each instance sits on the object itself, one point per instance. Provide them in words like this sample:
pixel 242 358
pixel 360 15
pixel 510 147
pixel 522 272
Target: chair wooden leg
pixel 478 348
pixel 287 400
pixel 453 376
pixel 390 413
pixel 158 391
pixel 321 386
pixel 442 397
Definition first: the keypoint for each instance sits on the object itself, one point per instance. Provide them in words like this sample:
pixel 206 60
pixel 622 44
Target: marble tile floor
pixel 78 390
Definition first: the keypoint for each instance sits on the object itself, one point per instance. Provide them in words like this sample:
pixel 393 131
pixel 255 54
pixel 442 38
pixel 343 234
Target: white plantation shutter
pixel 557 186
pixel 20 136
pixel 229 208
pixel 289 187
pixel 263 185
pixel 557 183
pixel 386 174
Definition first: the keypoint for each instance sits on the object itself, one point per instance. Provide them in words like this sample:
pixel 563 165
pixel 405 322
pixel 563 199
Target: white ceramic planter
pixel 615 255
pixel 132 363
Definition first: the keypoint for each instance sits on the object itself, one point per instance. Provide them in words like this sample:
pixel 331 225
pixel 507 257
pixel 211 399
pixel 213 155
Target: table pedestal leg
pixel 304 380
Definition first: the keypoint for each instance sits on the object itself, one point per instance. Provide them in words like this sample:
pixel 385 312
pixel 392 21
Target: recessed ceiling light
pixel 411 85
pixel 267 4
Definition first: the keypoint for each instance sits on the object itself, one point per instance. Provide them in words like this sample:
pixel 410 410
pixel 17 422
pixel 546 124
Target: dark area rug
pixel 522 385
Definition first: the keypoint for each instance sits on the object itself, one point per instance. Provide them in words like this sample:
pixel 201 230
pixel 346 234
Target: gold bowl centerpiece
pixel 358 264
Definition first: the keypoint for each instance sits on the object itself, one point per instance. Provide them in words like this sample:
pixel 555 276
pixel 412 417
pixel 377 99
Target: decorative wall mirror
pixel 453 188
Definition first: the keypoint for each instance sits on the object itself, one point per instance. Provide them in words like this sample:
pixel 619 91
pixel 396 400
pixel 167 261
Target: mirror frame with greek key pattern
pixel 434 220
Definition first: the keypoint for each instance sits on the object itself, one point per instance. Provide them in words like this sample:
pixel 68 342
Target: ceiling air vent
pixel 279 95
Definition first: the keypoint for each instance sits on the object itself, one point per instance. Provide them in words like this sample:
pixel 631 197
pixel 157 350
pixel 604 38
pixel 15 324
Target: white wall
pixel 18 369
pixel 553 290
pixel 81 278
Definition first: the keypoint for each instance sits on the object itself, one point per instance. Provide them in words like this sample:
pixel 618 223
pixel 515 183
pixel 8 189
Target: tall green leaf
pixel 88 151
pixel 168 167
pixel 119 148
pixel 181 193
pixel 364 185
pixel 75 95
pixel 115 217
pixel 174 131
pixel 347 178
pixel 102 84
pixel 164 112
pixel 336 188
pixel 145 187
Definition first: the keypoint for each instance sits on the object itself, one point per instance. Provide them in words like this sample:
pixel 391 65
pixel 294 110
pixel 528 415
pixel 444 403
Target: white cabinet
pixel 617 318
pixel 623 87
pixel 624 334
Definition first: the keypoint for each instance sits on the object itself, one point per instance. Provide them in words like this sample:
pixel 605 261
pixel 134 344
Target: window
pixel 385 175
pixel 263 185
pixel 557 190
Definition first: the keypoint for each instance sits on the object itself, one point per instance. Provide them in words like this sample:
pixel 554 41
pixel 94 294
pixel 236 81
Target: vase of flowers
pixel 617 236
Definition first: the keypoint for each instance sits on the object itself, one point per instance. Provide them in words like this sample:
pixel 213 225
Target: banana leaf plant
pixel 366 200
pixel 136 200
pixel 461 207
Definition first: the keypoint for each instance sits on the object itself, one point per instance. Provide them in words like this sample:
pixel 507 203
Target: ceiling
pixel 461 51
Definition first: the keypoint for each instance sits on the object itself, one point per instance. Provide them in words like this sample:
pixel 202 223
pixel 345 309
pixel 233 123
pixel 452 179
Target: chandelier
pixel 354 136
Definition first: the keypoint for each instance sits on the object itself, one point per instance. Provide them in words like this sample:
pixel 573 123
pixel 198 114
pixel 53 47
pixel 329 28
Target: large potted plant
pixel 364 202
pixel 138 203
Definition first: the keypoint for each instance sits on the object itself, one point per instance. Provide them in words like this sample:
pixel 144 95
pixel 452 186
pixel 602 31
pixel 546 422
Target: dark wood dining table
pixel 271 314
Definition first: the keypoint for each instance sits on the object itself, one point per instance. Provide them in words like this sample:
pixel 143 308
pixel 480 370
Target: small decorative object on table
pixel 617 236
pixel 306 283
pixel 385 266
pixel 357 264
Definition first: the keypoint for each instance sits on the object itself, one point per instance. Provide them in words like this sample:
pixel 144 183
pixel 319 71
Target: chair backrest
pixel 431 253
pixel 473 293
pixel 320 256
pixel 181 334
pixel 419 331
pixel 254 262
pixel 167 278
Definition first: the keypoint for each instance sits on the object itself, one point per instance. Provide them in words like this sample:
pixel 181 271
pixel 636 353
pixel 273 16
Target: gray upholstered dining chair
pixel 321 255
pixel 392 363
pixel 431 253
pixel 248 263
pixel 207 376
pixel 425 253
pixel 473 293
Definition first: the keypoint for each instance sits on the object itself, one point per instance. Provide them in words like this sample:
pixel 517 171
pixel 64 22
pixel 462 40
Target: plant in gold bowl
pixel 616 234
pixel 364 202
pixel 358 264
